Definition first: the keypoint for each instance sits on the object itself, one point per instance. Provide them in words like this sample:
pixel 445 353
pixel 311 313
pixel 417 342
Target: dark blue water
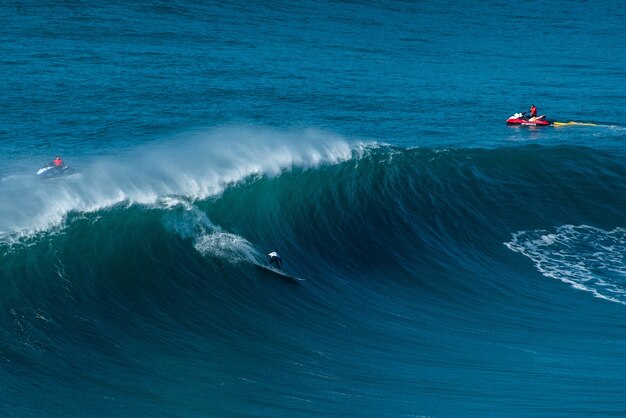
pixel 452 265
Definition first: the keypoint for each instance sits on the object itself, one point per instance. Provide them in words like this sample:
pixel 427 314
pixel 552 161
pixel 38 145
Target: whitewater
pixel 452 265
pixel 196 166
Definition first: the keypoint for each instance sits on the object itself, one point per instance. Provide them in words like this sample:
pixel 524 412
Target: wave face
pixel 429 276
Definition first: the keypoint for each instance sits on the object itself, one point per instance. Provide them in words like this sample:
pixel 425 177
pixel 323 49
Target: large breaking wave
pixel 158 250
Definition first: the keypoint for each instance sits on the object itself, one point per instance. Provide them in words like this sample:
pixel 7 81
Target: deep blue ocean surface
pixel 452 265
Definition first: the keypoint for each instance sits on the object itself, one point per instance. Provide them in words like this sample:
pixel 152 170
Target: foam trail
pixel 208 239
pixel 588 258
pixel 195 166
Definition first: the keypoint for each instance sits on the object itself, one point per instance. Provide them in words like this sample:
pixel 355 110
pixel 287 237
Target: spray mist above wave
pixel 195 166
pixel 588 258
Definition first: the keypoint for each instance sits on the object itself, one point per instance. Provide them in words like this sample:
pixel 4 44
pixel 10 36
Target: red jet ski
pixel 522 119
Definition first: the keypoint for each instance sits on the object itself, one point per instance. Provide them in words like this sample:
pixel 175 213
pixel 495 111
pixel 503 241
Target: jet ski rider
pixel 533 111
pixel 58 162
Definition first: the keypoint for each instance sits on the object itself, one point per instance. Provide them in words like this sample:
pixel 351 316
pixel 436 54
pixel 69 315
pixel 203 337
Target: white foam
pixel 193 166
pixel 587 258
pixel 209 239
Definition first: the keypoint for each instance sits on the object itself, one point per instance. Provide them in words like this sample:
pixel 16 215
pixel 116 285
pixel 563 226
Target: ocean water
pixel 452 265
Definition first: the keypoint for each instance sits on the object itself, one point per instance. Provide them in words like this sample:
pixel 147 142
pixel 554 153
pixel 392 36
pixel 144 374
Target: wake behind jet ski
pixel 55 168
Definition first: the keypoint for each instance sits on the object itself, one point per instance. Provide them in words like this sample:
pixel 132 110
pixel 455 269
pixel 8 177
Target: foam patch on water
pixel 226 246
pixel 208 239
pixel 588 258
pixel 194 166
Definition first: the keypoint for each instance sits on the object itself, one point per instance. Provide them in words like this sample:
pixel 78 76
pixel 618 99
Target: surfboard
pixel 279 273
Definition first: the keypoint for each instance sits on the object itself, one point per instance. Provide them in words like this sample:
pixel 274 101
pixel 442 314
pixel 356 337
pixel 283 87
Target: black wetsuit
pixel 276 261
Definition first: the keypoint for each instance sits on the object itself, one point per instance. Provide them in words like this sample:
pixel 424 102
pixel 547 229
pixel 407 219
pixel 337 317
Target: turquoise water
pixel 453 265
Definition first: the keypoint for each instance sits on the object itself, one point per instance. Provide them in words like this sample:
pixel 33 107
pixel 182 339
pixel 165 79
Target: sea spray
pixel 194 166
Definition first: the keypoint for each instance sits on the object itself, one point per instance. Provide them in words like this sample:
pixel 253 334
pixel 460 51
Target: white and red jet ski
pixel 50 170
pixel 522 119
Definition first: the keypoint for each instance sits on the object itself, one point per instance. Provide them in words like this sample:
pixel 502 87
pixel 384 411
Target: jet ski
pixel 50 171
pixel 523 119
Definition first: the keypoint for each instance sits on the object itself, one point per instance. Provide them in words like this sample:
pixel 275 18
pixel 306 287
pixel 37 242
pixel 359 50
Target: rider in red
pixel 533 111
pixel 58 162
